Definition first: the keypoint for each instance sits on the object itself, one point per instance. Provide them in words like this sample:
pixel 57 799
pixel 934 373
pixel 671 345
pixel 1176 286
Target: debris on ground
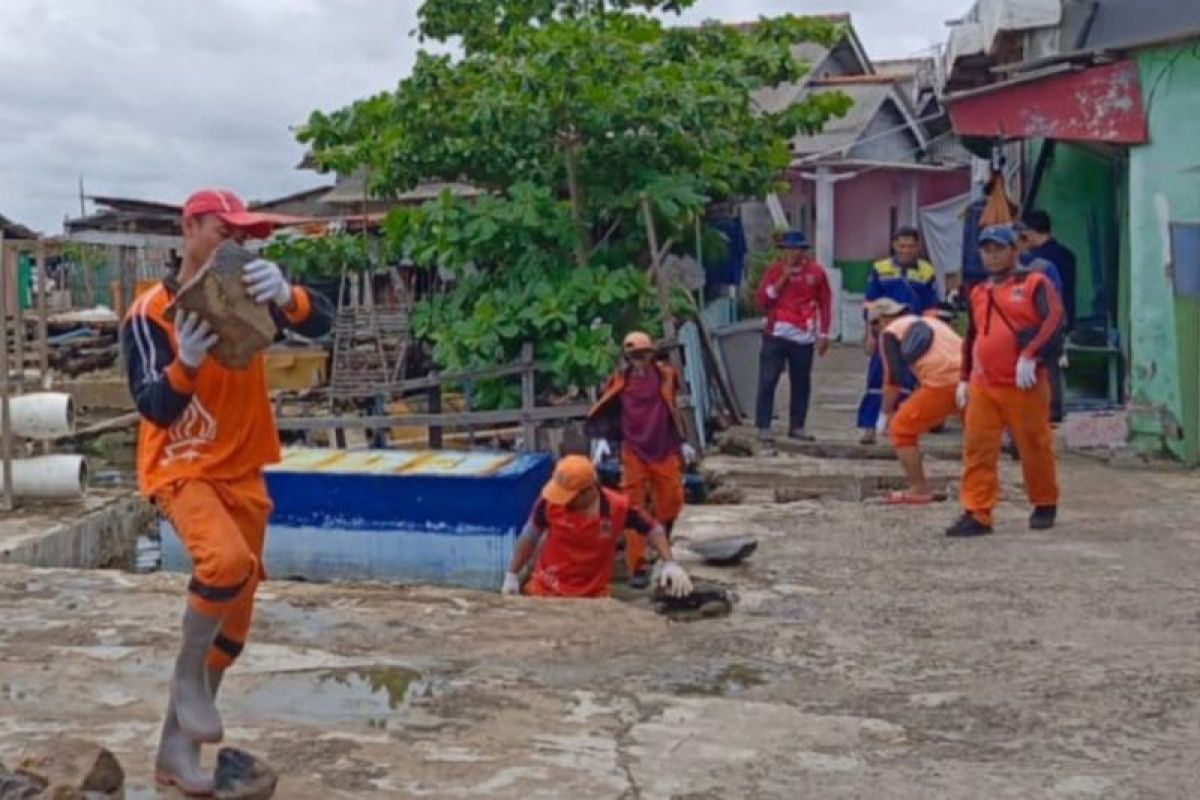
pixel 737 443
pixel 66 769
pixel 241 776
pixel 707 600
pixel 19 787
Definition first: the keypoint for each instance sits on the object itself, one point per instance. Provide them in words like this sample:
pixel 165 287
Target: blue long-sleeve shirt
pixel 915 286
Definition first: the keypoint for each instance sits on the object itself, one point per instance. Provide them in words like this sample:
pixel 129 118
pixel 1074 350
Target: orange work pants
pixel 922 412
pixel 223 525
pixel 654 488
pixel 991 409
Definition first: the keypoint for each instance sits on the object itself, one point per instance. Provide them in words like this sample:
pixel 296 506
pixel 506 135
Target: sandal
pixel 907 499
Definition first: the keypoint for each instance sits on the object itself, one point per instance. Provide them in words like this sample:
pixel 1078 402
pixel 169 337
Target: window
pixel 1185 258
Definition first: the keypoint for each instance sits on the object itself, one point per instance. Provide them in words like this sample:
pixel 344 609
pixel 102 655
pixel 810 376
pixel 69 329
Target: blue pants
pixel 872 402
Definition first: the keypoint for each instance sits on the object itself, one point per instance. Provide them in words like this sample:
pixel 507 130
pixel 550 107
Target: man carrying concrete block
pixel 206 433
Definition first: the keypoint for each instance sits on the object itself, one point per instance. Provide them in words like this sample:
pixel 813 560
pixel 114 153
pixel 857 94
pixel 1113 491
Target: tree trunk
pixel 582 240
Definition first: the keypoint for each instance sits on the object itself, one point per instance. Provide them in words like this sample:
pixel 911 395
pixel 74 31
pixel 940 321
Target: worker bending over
pixel 930 350
pixel 910 280
pixel 206 432
pixel 1015 321
pixel 574 530
pixel 638 409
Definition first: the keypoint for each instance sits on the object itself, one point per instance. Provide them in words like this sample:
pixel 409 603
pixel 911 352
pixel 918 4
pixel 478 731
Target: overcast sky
pixel 149 99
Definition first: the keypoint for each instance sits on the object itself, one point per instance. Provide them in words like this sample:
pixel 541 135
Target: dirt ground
pixel 868 657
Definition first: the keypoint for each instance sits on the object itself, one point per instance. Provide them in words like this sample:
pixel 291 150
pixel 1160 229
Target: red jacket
pixel 1010 319
pixel 805 300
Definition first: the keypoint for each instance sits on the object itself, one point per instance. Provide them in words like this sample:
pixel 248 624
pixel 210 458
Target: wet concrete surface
pixel 868 656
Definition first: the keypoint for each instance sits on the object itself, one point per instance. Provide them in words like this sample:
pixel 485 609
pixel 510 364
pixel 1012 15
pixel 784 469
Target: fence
pixel 528 417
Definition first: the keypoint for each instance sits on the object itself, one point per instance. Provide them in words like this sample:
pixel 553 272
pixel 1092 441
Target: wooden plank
pixel 435 408
pixel 5 419
pixel 122 422
pixel 528 396
pixel 459 419
pixel 465 376
pixel 713 354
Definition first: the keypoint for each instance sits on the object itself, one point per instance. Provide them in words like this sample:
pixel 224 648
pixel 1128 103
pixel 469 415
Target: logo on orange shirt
pixel 194 430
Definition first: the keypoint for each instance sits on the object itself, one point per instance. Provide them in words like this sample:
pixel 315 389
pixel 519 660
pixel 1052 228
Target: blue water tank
pixel 408 516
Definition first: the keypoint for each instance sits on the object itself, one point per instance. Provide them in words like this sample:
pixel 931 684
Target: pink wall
pixel 862 206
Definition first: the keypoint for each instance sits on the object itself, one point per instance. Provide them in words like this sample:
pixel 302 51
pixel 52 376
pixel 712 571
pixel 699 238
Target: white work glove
pixel 194 338
pixel 266 284
pixel 674 581
pixel 1063 361
pixel 1026 373
pixel 689 454
pixel 512 584
pixel 600 451
pixel 961 393
pixel 881 424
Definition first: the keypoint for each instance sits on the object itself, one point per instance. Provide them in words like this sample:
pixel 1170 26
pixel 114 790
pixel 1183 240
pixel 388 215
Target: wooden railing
pixel 528 417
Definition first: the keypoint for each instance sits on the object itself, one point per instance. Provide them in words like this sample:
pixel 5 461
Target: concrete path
pixel 868 657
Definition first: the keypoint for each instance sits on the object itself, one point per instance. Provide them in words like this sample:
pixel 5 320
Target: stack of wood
pixel 76 349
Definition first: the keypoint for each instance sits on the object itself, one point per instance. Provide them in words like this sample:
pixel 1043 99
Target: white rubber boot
pixel 190 693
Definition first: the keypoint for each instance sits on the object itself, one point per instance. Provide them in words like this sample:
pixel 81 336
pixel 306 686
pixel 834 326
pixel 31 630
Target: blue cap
pixel 793 240
pixel 999 234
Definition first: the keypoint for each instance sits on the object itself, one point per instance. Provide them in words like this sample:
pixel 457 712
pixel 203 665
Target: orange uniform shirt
pixel 215 424
pixel 576 559
pixel 1024 306
pixel 939 367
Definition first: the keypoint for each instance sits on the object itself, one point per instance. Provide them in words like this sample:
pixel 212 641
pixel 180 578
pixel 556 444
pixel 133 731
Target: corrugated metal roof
pixel 1123 23
pixel 349 192
pixel 841 134
pixel 446 463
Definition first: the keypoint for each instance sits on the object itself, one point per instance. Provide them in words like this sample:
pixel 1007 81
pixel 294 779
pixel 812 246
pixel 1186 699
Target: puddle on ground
pixel 732 680
pixel 371 696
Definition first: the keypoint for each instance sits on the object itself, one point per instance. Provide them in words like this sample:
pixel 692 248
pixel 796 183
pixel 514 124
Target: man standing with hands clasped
pixel 206 433
pixel 796 297
pixel 1015 322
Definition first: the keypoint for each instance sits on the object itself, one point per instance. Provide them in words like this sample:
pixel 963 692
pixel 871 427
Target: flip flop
pixel 907 499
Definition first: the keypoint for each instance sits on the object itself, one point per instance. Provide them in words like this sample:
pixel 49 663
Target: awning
pixel 1095 104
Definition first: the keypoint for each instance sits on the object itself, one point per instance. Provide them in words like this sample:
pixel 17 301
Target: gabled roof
pixel 305 194
pixel 849 50
pixel 136 206
pixel 350 191
pixel 872 95
pixel 14 230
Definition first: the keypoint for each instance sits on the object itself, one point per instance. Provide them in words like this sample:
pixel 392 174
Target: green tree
pixel 567 113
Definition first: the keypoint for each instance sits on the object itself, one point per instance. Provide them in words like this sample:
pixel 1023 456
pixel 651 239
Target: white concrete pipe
pixel 57 477
pixel 42 415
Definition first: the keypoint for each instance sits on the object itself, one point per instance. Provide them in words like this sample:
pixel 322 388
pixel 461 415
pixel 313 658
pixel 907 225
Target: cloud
pixel 151 99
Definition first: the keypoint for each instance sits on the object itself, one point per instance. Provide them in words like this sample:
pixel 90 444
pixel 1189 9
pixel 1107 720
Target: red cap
pixel 230 209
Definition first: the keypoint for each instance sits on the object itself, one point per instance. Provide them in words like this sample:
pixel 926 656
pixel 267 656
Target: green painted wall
pixel 1164 185
pixel 854 274
pixel 1075 182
